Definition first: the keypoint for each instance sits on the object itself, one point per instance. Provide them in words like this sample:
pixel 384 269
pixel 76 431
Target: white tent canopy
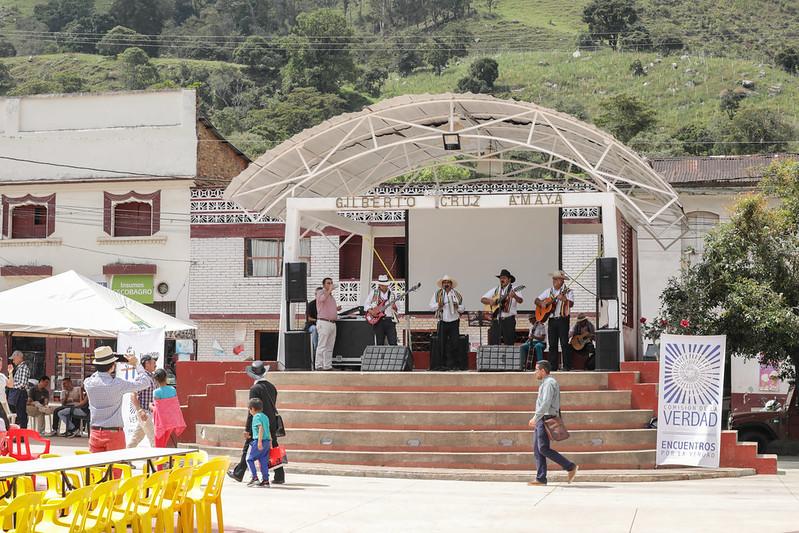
pixel 70 304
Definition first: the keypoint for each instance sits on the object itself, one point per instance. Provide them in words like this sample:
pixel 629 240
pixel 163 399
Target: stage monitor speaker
pixel 298 350
pixel 296 282
pixel 606 276
pixel 499 358
pixel 607 349
pixel 461 353
pixel 386 359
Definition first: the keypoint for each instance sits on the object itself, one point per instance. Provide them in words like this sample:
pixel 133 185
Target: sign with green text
pixel 137 287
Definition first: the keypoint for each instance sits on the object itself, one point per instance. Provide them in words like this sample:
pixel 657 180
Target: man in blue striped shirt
pixel 547 405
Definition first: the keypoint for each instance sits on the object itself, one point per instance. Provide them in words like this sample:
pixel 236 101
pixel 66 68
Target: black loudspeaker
pixel 296 282
pixel 352 338
pixel 298 350
pixel 607 349
pixel 606 276
pixel 461 352
pixel 498 358
pixel 386 359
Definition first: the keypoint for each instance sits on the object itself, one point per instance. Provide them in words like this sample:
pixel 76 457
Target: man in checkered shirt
pixel 142 402
pixel 18 374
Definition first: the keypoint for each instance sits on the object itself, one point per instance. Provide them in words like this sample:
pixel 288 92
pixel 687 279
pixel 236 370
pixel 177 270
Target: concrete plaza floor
pixel 355 504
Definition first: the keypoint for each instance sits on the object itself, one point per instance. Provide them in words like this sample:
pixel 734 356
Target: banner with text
pixel 689 400
pixel 138 343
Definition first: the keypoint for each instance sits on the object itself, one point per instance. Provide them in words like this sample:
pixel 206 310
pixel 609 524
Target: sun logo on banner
pixel 692 373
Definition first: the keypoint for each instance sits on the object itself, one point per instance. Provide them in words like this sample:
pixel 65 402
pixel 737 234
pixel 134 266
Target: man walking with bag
pixel 547 406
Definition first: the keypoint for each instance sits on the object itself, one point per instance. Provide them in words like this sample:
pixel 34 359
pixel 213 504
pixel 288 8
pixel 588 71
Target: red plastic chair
pixel 18 444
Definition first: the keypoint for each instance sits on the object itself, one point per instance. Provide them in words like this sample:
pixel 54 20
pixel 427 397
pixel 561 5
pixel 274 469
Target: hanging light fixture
pixel 452 141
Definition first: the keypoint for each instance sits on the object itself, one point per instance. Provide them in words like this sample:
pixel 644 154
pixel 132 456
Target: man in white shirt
pixel 383 296
pixel 558 327
pixel 503 326
pixel 448 305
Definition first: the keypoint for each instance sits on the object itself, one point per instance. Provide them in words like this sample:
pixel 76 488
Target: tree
pixel 80 35
pixel 6 48
pixel 144 16
pixel 625 116
pixel 746 286
pixel 438 55
pixel 58 13
pixel 754 131
pixel 118 39
pixel 491 5
pixel 695 139
pixel 371 81
pixel 482 75
pixel 788 60
pixel 137 72
pixel 7 81
pixel 730 101
pixel 319 52
pixel 303 108
pixel 637 69
pixel 608 20
pixel 262 58
pixel 70 82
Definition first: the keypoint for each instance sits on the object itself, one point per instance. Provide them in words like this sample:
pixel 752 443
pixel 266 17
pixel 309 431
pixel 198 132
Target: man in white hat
pixel 448 305
pixel 105 392
pixel 383 297
pixel 558 327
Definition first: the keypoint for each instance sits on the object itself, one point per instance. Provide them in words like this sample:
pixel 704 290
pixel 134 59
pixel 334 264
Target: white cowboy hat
pixel 447 278
pixel 559 274
pixel 104 355
pixel 382 279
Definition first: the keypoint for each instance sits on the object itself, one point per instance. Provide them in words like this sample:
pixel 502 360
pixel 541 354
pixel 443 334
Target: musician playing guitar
pixel 503 323
pixel 381 297
pixel 558 328
pixel 581 338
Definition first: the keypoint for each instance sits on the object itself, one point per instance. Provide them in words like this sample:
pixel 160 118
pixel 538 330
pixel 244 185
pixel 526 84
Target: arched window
pixel 693 242
pixel 29 222
pixel 133 219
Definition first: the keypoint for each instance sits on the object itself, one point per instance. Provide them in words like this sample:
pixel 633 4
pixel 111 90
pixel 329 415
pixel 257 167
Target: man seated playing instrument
pixel 537 340
pixel 583 332
pixel 503 324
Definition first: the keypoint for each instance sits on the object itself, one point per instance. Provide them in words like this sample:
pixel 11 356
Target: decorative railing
pixel 349 293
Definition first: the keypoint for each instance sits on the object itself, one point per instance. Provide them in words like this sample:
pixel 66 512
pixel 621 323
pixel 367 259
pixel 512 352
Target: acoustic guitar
pixel 376 313
pixel 578 342
pixel 547 306
pixel 491 311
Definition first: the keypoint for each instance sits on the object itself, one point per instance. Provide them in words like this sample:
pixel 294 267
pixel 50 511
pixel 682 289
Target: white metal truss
pixel 354 153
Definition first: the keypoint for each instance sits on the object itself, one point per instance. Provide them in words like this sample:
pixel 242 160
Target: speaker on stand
pixel 607 339
pixel 297 345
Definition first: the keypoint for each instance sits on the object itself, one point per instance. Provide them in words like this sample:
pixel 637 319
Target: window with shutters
pixel 133 219
pixel 263 258
pixel 29 222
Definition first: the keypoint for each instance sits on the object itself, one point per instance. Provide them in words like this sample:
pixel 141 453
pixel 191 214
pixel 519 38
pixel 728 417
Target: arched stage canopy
pixel 352 153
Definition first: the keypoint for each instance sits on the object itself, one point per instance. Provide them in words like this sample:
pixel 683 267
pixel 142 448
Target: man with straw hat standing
pixel 383 296
pixel 448 305
pixel 558 328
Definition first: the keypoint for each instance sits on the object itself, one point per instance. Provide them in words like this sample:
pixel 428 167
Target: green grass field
pixel 682 95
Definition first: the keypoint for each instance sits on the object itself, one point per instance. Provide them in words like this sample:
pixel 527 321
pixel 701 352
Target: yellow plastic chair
pixel 26 508
pixel 104 497
pixel 76 504
pixel 124 511
pixel 174 500
pixel 201 500
pixel 195 458
pixel 24 483
pixel 55 482
pixel 150 501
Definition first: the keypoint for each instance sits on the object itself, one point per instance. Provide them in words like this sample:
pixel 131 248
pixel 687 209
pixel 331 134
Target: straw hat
pixel 104 355
pixel 447 278
pixel 382 279
pixel 559 274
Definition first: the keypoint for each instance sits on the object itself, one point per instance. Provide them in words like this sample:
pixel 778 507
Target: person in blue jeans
pixel 260 445
pixel 537 340
pixel 547 405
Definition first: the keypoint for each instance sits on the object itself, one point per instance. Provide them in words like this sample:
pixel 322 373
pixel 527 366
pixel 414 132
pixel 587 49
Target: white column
pixel 367 241
pixel 291 246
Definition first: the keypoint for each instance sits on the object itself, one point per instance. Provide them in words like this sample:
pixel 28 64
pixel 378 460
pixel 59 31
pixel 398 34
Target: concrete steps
pixel 449 420
pixel 438 420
